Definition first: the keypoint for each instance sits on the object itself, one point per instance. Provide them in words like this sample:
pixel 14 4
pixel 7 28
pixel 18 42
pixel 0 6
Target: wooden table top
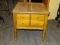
pixel 30 8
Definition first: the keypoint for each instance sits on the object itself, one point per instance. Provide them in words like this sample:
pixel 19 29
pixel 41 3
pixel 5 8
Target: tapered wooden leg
pixel 15 22
pixel 15 34
pixel 45 25
pixel 43 35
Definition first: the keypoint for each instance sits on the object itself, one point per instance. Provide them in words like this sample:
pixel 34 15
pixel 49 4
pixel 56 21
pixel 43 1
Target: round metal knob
pixel 37 18
pixel 22 23
pixel 22 17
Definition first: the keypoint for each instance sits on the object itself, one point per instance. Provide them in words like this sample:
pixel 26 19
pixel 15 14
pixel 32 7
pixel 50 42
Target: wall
pixel 53 7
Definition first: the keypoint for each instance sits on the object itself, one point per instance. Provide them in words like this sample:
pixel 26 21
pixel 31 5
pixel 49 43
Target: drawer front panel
pixel 37 17
pixel 37 23
pixel 22 17
pixel 22 23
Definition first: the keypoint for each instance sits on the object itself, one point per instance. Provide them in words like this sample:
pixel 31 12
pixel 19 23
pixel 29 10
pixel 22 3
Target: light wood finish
pixel 23 16
pixel 24 0
pixel 37 17
pixel 22 23
pixel 30 16
pixel 30 8
pixel 15 31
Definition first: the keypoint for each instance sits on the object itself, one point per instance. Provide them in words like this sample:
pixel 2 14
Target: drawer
pixel 22 16
pixel 22 23
pixel 37 17
pixel 37 23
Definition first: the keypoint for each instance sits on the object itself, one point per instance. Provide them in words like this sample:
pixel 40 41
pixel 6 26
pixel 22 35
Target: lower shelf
pixel 30 27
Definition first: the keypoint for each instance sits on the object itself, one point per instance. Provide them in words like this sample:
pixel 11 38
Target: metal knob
pixel 22 17
pixel 37 18
pixel 22 23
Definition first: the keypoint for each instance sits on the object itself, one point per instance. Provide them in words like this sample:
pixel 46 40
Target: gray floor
pixel 27 37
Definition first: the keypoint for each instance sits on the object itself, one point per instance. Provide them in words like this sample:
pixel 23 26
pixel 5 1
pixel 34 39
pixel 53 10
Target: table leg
pixel 15 30
pixel 43 35
pixel 15 34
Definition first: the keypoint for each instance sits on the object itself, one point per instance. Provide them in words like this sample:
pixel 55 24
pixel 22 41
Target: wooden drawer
pixel 22 17
pixel 22 23
pixel 37 23
pixel 37 17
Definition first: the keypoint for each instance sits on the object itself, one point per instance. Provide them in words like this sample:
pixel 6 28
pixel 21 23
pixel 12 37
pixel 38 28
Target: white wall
pixel 53 7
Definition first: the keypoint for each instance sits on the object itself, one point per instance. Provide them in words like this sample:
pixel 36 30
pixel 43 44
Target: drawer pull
pixel 22 17
pixel 37 18
pixel 22 23
pixel 37 23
